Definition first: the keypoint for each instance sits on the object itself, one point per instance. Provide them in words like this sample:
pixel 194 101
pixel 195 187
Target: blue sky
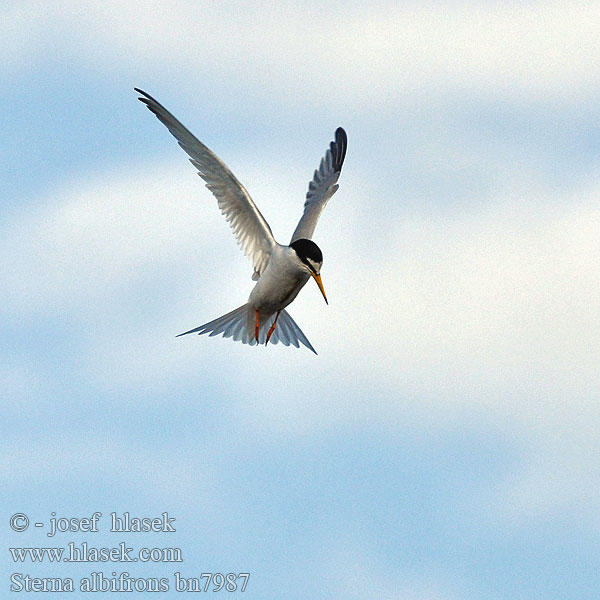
pixel 444 442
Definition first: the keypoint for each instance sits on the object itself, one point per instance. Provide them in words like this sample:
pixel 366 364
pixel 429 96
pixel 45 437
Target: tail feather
pixel 286 332
pixel 214 326
pixel 237 325
pixel 275 338
pixel 295 334
pixel 238 336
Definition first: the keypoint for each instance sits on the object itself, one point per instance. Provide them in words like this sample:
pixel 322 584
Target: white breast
pixel 280 282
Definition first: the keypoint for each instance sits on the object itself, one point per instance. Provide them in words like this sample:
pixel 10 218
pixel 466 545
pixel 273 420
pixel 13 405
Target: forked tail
pixel 237 325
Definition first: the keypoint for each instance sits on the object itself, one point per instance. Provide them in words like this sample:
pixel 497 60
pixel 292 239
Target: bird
pixel 280 271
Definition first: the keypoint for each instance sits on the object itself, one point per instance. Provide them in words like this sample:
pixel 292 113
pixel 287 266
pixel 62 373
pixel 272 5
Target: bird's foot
pixel 272 328
pixel 257 327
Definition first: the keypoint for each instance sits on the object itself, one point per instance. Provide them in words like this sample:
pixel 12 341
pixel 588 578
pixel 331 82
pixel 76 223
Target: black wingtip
pixel 146 98
pixel 338 148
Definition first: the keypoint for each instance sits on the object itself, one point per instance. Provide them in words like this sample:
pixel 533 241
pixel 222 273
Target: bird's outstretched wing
pixel 249 226
pixel 322 186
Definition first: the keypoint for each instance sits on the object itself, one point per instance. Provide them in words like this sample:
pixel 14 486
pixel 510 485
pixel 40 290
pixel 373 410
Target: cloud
pixel 483 307
pixel 94 234
pixel 503 297
pixel 366 55
pixel 485 311
pixel 457 310
pixel 349 565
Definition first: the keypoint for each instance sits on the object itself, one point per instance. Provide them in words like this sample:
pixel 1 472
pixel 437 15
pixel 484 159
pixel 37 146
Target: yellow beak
pixel 317 278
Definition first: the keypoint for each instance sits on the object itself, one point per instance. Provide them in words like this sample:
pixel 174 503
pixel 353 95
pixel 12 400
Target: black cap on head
pixel 306 249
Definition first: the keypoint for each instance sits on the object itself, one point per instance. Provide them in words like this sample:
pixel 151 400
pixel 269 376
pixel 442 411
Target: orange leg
pixel 257 327
pixel 272 328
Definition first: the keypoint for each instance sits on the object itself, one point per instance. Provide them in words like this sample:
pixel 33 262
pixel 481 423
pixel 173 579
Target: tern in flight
pixel 280 271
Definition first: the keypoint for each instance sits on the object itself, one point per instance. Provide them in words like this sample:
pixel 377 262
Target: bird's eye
pixel 312 266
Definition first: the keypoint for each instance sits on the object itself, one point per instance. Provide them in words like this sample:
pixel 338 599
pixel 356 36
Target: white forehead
pixel 315 265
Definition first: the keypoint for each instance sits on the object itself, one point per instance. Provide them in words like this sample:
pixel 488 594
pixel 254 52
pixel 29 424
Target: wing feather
pixel 249 226
pixel 322 186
